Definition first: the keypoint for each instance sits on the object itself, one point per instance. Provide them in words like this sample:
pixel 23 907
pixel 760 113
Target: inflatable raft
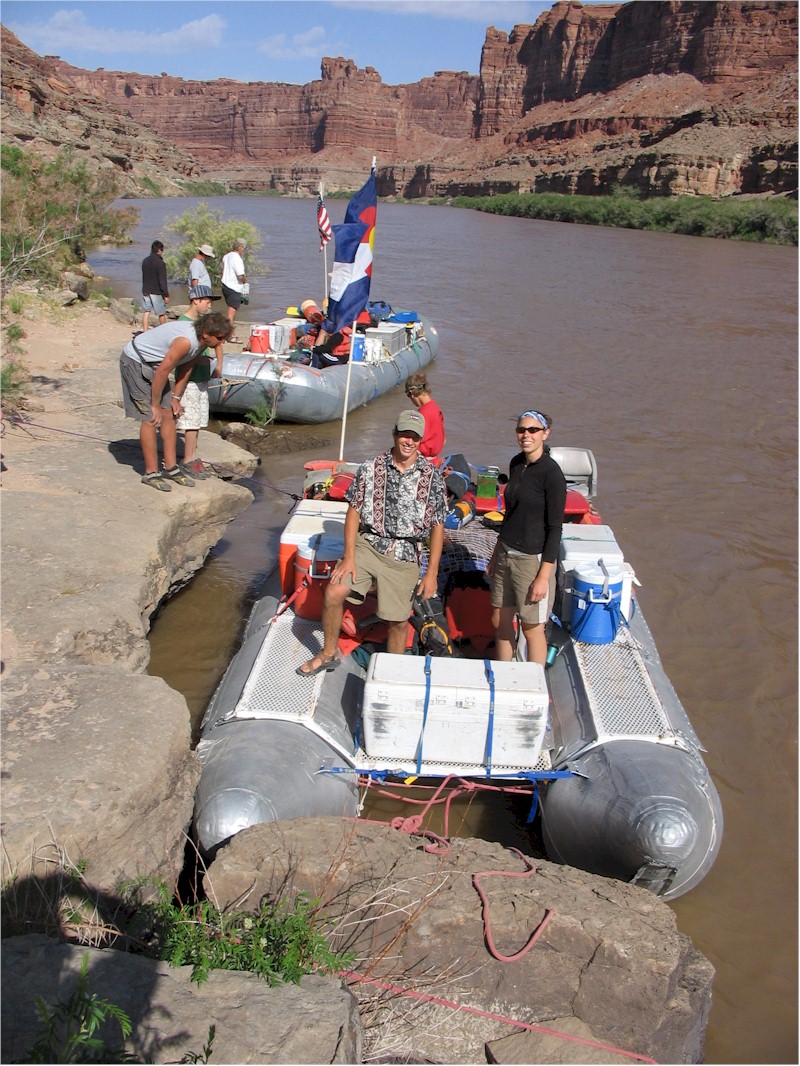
pixel 599 737
pixel 267 377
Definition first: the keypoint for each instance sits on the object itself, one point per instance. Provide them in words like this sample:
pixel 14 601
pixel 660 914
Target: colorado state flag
pixel 352 263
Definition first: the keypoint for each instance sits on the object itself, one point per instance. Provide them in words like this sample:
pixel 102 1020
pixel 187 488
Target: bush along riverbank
pixel 772 221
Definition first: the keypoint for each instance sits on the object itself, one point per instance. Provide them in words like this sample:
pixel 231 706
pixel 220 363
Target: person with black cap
pixel 234 279
pixel 397 503
pixel 195 406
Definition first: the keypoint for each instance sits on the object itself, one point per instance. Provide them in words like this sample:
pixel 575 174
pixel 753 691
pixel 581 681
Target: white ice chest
pixel 457 722
pixel 587 545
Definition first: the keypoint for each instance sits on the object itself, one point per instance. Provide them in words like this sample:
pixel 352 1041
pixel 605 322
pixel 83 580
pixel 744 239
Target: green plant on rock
pixel 70 1029
pixel 201 225
pixel 280 942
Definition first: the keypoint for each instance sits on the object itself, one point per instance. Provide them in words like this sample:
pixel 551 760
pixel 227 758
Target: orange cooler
pixel 259 339
pixel 309 519
pixel 312 568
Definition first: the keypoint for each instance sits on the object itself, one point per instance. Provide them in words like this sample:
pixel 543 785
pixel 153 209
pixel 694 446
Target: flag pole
pixel 347 390
pixel 324 253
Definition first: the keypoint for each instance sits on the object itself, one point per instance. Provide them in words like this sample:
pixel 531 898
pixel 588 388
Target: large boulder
pixel 609 956
pixel 315 1021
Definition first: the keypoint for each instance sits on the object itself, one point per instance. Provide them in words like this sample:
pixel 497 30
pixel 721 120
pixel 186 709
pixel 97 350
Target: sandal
pixel 156 481
pixel 178 476
pixel 195 469
pixel 324 665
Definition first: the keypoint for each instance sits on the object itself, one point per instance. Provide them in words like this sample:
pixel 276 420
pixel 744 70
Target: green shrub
pixel 13 378
pixel 204 226
pixel 279 942
pixel 772 220
pixel 70 1029
pixel 54 212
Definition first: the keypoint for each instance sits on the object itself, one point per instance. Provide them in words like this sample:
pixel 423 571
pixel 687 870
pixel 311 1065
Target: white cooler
pixel 585 545
pixel 456 727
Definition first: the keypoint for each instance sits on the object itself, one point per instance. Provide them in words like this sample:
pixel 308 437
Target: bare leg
pixel 169 438
pixel 536 641
pixel 332 611
pixel 505 637
pixel 145 320
pixel 148 438
pixel 190 437
pixel 396 637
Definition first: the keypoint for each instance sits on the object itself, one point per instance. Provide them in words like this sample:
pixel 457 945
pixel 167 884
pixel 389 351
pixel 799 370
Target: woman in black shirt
pixel 522 567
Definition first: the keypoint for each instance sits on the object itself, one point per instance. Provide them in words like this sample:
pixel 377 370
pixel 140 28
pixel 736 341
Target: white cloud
pixel 71 30
pixel 311 44
pixel 487 12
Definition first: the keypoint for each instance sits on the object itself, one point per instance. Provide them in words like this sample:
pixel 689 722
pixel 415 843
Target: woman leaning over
pixel 522 567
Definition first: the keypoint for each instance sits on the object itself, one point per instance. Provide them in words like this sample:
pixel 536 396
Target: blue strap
pixel 424 710
pixel 487 665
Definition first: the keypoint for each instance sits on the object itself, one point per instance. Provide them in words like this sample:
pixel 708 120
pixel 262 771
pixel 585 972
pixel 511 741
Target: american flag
pixel 324 224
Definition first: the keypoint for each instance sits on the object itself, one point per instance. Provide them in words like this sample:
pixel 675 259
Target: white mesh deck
pixel 273 689
pixel 364 763
pixel 621 694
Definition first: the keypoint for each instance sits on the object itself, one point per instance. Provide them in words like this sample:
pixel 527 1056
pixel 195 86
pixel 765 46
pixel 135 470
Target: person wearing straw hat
pixel 397 502
pixel 198 273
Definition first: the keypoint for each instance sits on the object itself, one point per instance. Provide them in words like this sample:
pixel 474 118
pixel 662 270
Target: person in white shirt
pixel 198 272
pixel 234 279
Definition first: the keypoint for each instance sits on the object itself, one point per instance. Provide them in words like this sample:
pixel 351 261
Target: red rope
pixel 485 909
pixel 424 997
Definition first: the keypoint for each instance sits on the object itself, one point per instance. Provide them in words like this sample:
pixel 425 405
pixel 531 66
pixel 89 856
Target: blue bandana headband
pixel 540 418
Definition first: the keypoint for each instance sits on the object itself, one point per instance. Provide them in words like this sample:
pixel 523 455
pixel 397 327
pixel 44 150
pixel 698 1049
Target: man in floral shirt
pixel 398 502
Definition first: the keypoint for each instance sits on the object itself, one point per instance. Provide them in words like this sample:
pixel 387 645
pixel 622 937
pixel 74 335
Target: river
pixel 675 360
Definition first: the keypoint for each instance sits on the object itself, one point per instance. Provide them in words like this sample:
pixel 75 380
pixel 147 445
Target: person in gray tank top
pixel 145 366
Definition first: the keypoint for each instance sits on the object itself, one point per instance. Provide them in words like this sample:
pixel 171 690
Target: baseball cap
pixel 202 292
pixel 411 421
pixel 206 249
pixel 240 242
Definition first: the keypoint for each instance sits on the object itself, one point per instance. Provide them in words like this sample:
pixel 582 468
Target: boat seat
pixel 579 468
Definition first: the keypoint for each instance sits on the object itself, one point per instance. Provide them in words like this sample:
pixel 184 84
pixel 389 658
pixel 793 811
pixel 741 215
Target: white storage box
pixel 390 336
pixel 282 334
pixel 457 723
pixel 587 545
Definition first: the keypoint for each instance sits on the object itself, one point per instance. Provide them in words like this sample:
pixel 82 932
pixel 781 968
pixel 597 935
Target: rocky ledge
pixel 99 777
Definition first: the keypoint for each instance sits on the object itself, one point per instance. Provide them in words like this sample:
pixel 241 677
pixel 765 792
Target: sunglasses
pixel 529 429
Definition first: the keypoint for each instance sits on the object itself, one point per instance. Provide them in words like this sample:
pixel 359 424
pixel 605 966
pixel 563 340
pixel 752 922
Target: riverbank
pixel 99 778
pixel 759 219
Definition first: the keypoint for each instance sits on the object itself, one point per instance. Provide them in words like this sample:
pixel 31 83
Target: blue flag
pixel 352 261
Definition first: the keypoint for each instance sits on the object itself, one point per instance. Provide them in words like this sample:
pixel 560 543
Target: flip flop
pixel 324 664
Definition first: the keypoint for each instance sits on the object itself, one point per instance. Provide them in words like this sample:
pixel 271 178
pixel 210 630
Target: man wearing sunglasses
pixel 522 567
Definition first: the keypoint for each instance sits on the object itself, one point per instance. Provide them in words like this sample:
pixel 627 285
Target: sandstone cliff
pixel 46 110
pixel 669 97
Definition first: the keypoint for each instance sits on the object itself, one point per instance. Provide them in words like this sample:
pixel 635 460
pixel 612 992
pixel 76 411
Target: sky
pixel 265 40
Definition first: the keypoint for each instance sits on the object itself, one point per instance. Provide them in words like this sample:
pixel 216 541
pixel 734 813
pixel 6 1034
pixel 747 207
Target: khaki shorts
pixel 195 406
pixel 396 582
pixel 137 389
pixel 511 583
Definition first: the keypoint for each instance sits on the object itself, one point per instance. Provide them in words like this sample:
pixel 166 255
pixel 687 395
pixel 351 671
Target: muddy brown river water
pixel 675 360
